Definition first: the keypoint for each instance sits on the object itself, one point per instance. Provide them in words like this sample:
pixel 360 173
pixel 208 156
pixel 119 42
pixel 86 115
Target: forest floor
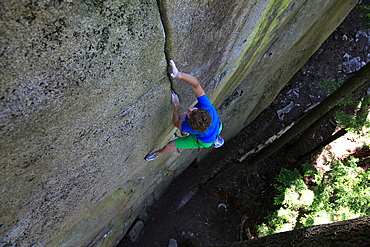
pixel 219 199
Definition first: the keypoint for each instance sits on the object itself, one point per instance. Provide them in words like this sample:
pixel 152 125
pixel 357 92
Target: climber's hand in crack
pixel 175 72
pixel 175 98
pixel 189 79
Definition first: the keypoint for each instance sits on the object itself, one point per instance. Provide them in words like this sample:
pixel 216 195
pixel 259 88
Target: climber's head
pixel 199 119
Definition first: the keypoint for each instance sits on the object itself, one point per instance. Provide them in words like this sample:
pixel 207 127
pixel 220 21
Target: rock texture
pixel 85 95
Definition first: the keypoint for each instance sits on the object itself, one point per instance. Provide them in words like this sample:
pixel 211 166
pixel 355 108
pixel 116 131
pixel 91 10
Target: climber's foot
pixel 151 156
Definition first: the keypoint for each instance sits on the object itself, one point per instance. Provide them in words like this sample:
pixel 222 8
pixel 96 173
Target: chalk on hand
pixel 175 71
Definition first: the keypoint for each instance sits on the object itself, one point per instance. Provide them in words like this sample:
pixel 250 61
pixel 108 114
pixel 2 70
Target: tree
pixel 322 111
pixel 347 233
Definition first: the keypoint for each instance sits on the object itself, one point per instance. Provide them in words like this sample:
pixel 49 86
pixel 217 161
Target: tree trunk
pixel 332 138
pixel 352 85
pixel 311 130
pixel 361 118
pixel 355 232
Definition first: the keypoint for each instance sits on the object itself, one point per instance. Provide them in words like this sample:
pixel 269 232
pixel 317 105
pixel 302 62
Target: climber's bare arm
pixel 193 81
pixel 177 118
pixel 189 79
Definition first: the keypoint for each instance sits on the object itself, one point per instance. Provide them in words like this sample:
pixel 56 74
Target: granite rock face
pixel 85 95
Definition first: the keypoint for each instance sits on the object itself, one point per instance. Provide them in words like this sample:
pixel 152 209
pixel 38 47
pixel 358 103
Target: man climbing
pixel 201 124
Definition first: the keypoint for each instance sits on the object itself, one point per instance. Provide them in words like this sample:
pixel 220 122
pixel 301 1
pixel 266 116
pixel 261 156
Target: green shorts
pixel 191 142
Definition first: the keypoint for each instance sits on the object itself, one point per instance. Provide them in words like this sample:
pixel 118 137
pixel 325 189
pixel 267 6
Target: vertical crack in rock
pixel 164 19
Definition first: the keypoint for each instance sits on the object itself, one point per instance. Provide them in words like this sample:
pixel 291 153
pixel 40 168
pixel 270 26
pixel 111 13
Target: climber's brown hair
pixel 200 120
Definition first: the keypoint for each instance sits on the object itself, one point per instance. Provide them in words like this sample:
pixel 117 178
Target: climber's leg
pixel 168 148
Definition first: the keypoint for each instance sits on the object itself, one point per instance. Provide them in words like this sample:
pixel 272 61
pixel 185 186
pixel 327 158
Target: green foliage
pixel 366 17
pixel 291 189
pixel 340 194
pixel 359 123
pixel 345 187
pixel 309 170
pixel 330 85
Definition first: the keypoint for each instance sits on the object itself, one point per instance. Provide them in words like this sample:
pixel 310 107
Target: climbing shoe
pixel 219 141
pixel 151 156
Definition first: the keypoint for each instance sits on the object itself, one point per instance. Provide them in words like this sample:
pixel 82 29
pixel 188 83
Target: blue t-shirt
pixel 210 134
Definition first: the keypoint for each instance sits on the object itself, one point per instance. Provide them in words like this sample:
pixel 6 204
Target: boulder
pixel 85 96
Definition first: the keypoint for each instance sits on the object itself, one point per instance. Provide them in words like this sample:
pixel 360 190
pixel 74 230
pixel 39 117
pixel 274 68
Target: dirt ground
pixel 218 200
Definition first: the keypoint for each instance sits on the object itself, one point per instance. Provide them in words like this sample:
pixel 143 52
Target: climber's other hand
pixel 175 98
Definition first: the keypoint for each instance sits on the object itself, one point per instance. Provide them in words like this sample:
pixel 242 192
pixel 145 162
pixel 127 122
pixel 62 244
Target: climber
pixel 201 125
